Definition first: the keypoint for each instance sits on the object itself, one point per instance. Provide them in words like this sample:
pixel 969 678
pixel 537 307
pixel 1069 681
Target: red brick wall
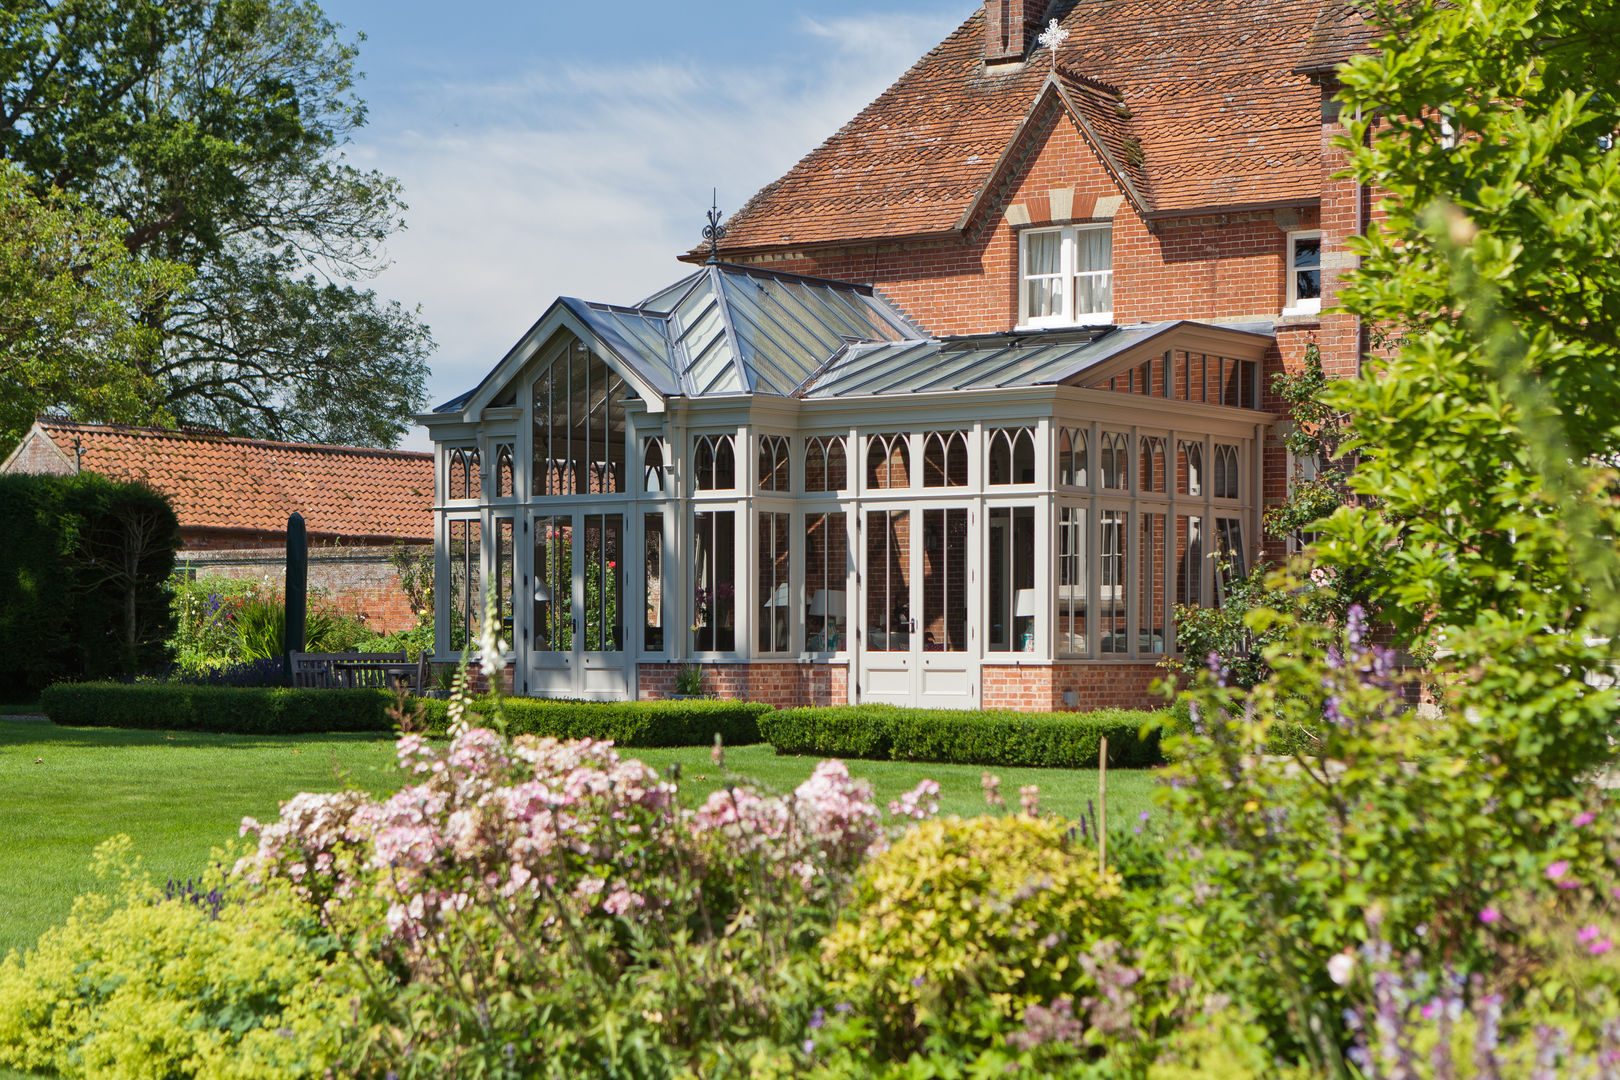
pixel 785 685
pixel 1040 687
pixel 358 581
pixel 38 455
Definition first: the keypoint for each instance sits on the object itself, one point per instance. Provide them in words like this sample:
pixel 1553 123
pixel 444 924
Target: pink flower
pixel 1558 874
pixel 1029 797
pixel 1490 916
pixel 1599 947
pixel 920 802
pixel 991 783
pixel 1584 819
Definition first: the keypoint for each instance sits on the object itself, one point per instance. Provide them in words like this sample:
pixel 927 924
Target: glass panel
pixel 1069 600
pixel 713 463
pixel 504 487
pixel 824 465
pixel 652 578
pixel 579 413
pixel 1229 562
pixel 944 580
pixel 888 576
pixel 1115 460
pixel 1111 599
pixel 945 459
pixel 466 595
pixel 1190 561
pixel 837 466
pixel 1189 468
pixel 540 432
pixel 604 582
pixel 826 578
pixel 888 462
pixel 1010 566
pixel 1308 269
pixel 553 584
pixel 505 570
pixel 1151 478
pixel 614 437
pixel 1150 600
pixel 1094 278
pixel 999 468
pixel 1065 457
pixel 1231 386
pixel 775 605
pixel 1226 472
pixel 653 475
pixel 1043 270
pixel 714 592
pixel 1023 460
pixel 773 463
pixel 456 474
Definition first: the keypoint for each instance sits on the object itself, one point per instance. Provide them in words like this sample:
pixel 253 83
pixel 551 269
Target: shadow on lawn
pixel 36 732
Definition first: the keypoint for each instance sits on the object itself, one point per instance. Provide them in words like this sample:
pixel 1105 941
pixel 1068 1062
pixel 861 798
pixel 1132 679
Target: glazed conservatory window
pixel 825 468
pixel 464 479
pixel 1304 273
pixel 773 464
pixel 1189 468
pixel 775 627
pixel 945 459
pixel 1116 464
pixel 1073 444
pixel 578 426
pixel 552 628
pixel 1012 456
pixel 714 463
pixel 654 474
pixel 504 472
pixel 652 581
pixel 1010 580
pixel 1226 472
pixel 826 581
pixel 466 590
pixel 1067 275
pixel 1072 570
pixel 888 461
pixel 714 575
pixel 1151 477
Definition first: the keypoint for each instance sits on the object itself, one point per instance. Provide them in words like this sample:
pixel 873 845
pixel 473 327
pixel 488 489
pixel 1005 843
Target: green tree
pixel 215 128
pixel 72 298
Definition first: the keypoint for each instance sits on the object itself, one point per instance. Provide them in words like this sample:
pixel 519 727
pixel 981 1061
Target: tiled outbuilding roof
pixel 218 482
pixel 1209 113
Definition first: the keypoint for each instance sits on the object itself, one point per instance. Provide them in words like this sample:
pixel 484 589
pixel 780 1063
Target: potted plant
pixel 688 683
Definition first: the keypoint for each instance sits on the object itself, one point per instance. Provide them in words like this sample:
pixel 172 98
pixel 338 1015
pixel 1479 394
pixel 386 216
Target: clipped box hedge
pixel 627 723
pixel 1005 739
pixel 286 711
pixel 250 710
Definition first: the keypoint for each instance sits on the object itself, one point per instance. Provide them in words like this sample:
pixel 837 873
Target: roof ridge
pixel 192 433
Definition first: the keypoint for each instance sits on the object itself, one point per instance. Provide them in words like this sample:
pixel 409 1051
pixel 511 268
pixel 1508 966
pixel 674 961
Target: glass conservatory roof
pixel 741 330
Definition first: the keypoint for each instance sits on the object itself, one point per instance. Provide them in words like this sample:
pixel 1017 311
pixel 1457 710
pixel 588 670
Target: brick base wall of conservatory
pixel 783 684
pixel 1042 687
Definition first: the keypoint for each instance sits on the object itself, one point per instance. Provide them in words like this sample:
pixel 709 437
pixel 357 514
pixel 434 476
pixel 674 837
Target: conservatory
pixel 783 481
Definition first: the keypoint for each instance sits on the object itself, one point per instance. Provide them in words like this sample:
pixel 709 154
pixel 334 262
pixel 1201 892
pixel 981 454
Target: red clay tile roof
pixel 1210 114
pixel 1342 30
pixel 219 482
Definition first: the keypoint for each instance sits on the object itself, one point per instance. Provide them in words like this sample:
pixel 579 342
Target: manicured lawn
pixel 180 795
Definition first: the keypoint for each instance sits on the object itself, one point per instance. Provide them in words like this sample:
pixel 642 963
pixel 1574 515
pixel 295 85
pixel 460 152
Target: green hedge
pixel 83 566
pixel 1005 739
pixel 253 710
pixel 627 723
pixel 284 711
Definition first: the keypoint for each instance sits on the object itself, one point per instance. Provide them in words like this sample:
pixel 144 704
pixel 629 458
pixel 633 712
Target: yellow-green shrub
pixel 963 923
pixel 138 987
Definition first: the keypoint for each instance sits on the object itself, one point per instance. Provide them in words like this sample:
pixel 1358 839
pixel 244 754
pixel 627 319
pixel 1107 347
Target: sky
pixel 551 149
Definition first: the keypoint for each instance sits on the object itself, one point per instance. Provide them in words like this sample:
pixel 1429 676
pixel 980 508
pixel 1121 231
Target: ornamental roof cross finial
pixel 714 232
pixel 1052 37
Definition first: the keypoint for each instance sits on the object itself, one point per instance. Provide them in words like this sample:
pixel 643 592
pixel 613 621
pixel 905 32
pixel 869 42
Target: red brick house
pixel 954 412
pixel 233 497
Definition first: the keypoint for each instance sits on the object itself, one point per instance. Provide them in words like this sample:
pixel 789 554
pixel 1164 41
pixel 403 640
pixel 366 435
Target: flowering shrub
pixel 210 980
pixel 532 903
pixel 963 924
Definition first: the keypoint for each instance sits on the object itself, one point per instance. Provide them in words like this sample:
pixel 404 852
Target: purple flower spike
pixel 1355 624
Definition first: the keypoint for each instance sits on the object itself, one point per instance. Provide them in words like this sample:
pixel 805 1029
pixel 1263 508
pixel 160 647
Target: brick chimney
pixel 1010 27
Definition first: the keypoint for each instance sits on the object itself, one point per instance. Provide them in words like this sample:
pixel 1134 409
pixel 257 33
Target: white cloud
pixel 588 180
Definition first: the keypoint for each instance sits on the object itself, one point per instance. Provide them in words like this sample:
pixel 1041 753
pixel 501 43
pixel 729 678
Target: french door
pixel 577 627
pixel 918 645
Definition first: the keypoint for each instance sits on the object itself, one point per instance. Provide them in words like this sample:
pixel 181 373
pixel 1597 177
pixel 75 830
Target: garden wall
pixel 358 580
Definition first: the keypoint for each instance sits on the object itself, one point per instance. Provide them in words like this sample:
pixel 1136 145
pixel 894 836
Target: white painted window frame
pixel 1068 271
pixel 1294 305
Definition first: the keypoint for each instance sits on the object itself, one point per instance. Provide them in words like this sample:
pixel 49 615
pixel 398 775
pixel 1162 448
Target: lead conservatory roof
pixel 732 330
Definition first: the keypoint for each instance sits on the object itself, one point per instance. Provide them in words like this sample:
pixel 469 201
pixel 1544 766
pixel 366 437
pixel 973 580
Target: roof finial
pixel 1052 37
pixel 714 232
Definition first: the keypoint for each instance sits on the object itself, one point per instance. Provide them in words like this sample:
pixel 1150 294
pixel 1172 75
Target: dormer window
pixel 1304 273
pixel 1066 276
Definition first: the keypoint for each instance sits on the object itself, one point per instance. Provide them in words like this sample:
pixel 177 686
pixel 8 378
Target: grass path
pixel 179 795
